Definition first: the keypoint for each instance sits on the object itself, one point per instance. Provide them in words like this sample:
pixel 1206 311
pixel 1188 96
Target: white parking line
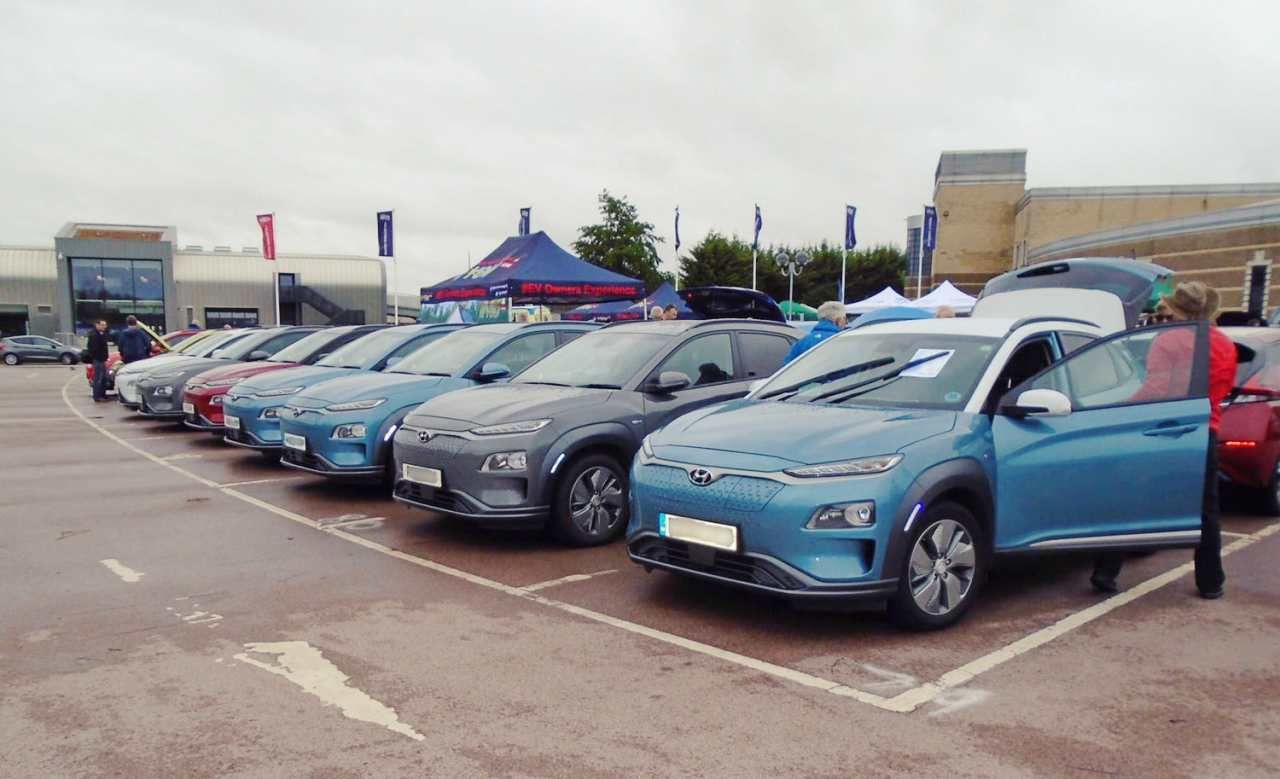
pixel 570 579
pixel 904 702
pixel 262 481
pixel 123 571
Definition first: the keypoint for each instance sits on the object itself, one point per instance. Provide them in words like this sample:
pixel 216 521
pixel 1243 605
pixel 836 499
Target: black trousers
pixel 1209 574
pixel 99 380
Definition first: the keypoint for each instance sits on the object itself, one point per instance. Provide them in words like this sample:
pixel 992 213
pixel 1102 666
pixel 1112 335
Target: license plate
pixel 698 531
pixel 430 477
pixel 295 442
pixel 230 422
pixel 189 408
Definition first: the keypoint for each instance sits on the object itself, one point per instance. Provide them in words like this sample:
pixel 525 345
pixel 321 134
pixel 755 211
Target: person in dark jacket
pixel 98 350
pixel 133 343
pixel 832 319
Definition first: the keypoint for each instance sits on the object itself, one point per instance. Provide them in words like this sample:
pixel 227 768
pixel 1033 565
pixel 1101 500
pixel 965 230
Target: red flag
pixel 267 223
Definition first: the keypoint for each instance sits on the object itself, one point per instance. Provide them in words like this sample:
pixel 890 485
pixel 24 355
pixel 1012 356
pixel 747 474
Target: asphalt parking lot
pixel 174 606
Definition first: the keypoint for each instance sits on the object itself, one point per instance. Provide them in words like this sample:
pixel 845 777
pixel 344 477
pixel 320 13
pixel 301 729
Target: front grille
pixel 442 448
pixel 739 495
pixel 305 459
pixel 442 499
pixel 728 565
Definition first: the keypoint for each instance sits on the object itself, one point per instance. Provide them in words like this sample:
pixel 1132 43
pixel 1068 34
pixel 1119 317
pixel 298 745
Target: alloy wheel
pixel 942 567
pixel 596 501
pixel 11 359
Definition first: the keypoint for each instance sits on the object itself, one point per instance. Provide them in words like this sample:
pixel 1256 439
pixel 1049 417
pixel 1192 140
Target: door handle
pixel 1170 431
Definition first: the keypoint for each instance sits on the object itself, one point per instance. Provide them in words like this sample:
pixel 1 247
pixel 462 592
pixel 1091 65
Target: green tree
pixel 717 260
pixel 869 271
pixel 621 242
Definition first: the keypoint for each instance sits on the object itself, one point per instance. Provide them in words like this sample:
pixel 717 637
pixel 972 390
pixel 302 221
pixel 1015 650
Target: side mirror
pixel 217 353
pixel 257 356
pixel 1038 403
pixel 321 356
pixel 391 362
pixel 493 371
pixel 667 383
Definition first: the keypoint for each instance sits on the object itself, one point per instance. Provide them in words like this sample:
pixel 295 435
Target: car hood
pixel 243 370
pixel 798 433
pixel 296 376
pixel 189 367
pixel 142 366
pixel 495 404
pixel 398 388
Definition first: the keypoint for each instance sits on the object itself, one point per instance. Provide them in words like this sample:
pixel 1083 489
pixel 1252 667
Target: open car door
pixel 1090 305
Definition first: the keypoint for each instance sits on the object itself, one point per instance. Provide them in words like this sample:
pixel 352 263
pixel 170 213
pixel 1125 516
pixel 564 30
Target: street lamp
pixel 792 265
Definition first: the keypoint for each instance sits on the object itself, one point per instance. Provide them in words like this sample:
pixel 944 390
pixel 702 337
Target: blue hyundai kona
pixel 898 461
pixel 342 428
pixel 251 411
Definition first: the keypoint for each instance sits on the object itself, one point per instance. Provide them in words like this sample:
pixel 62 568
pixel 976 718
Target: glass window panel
pixel 117 279
pixel 148 280
pixel 86 279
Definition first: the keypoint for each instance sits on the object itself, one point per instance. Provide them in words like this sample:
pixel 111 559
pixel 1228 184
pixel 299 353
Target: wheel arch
pixel 609 438
pixel 962 481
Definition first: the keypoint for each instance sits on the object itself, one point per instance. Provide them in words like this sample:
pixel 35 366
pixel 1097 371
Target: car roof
pixel 677 326
pixel 511 327
pixel 990 327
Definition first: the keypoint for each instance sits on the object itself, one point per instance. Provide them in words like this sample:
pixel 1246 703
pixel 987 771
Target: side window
pixel 523 352
pixel 1074 341
pixel 1143 366
pixel 761 353
pixel 412 345
pixel 274 345
pixel 705 360
pixel 1026 361
pixel 565 336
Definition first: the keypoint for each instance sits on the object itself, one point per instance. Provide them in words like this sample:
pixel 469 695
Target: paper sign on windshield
pixel 937 359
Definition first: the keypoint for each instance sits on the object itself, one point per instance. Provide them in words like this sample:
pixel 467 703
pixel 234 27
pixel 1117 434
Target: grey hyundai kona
pixel 554 446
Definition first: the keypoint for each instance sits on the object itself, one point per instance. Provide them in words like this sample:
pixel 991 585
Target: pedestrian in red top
pixel 1169 367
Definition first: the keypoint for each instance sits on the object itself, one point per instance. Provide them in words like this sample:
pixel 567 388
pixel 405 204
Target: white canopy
pixel 946 295
pixel 883 299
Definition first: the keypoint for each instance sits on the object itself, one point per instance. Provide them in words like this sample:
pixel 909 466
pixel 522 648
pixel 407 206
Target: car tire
pixel 590 505
pixel 12 359
pixel 942 570
pixel 1269 496
pixel 67 359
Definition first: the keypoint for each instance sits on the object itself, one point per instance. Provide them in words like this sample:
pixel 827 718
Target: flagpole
pixel 844 262
pixel 920 254
pixel 275 273
pixel 395 270
pixel 753 267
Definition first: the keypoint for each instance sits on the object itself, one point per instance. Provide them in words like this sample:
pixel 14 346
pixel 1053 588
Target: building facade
pixel 111 271
pixel 989 222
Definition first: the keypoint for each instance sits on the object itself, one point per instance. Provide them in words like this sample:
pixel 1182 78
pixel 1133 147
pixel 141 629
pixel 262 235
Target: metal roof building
pixel 111 271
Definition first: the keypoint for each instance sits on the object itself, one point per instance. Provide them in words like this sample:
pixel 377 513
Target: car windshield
pixel 247 345
pixel 364 352
pixel 451 355
pixel 602 359
pixel 918 370
pixel 304 348
pixel 217 341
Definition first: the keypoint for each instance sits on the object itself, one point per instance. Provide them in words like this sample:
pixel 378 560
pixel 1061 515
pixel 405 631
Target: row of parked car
pixel 896 462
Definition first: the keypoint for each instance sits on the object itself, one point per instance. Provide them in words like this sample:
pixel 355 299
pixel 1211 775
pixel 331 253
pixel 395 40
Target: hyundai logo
pixel 424 436
pixel 701 476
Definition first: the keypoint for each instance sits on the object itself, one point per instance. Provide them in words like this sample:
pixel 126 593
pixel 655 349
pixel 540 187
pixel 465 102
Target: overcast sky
pixel 457 114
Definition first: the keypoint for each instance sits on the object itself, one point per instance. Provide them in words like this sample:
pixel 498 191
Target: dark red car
pixel 1249 441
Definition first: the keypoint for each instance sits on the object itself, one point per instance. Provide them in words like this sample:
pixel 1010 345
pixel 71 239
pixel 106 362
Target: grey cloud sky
pixel 458 114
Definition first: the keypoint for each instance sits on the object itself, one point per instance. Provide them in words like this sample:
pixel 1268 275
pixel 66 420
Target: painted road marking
pixel 184 456
pixel 34 420
pixel 571 578
pixel 904 702
pixel 305 666
pixel 261 481
pixel 123 571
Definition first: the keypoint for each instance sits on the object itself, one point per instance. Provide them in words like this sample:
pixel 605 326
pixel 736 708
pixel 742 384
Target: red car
pixel 202 397
pixel 1249 441
pixel 113 359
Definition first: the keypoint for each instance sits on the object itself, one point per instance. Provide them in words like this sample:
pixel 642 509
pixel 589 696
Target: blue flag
pixel 386 235
pixel 755 242
pixel 677 229
pixel 930 231
pixel 524 221
pixel 850 240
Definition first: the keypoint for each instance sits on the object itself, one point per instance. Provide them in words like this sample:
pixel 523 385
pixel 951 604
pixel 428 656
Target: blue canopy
pixel 625 310
pixel 533 269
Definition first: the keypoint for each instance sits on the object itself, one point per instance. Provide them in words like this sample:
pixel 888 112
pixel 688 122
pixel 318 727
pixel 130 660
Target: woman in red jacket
pixel 1168 374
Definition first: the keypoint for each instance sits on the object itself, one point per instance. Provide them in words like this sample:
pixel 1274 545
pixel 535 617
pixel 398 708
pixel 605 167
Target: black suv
pixel 554 446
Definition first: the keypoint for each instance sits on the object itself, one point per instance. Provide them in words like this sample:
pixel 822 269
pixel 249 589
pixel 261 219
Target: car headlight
pixel 356 405
pixel 843 516
pixel 512 428
pixel 278 393
pixel 348 432
pixel 270 413
pixel 164 392
pixel 863 466
pixel 505 461
pixel 216 400
pixel 646 447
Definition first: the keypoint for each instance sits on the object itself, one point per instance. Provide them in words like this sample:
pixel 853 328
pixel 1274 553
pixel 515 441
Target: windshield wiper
pixel 544 383
pixel 850 392
pixel 598 386
pixel 829 376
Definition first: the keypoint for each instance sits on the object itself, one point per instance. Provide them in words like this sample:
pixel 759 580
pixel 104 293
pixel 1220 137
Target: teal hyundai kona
pixel 898 461
pixel 342 428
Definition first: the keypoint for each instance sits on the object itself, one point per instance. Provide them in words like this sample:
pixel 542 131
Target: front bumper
pixel 324 456
pixel 127 391
pixel 206 416
pixel 154 406
pixel 254 431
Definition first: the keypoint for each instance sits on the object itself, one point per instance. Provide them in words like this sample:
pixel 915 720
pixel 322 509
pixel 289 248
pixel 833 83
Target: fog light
pixel 164 392
pixel 270 413
pixel 216 400
pixel 505 461
pixel 844 516
pixel 346 432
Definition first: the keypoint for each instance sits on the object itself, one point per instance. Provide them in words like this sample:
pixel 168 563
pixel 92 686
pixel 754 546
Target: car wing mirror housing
pixel 258 355
pixel 1038 403
pixel 493 371
pixel 668 382
pixel 392 362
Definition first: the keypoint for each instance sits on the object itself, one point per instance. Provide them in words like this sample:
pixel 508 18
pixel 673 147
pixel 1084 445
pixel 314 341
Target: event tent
pixel 625 310
pixel 533 269
pixel 946 295
pixel 882 299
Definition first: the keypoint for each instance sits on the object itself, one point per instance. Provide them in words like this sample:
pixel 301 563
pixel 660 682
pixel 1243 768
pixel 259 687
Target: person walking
pixel 1169 368
pixel 98 351
pixel 831 320
pixel 133 344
